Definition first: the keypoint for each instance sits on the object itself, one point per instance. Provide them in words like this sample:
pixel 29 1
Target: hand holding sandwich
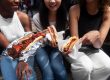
pixel 24 43
pixel 54 37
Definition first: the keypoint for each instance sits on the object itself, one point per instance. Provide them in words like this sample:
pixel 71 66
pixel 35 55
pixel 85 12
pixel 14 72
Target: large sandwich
pixel 69 44
pixel 24 43
pixel 54 37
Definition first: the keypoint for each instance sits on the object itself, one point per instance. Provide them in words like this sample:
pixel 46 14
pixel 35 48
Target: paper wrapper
pixel 31 51
pixel 74 53
pixel 25 54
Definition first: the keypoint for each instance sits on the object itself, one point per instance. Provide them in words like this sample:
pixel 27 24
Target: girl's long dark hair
pixel 61 17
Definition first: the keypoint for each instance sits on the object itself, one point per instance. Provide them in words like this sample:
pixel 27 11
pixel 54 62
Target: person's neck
pixel 7 14
pixel 52 16
pixel 92 8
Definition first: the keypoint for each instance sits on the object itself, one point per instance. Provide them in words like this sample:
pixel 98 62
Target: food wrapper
pixel 74 52
pixel 25 54
pixel 31 51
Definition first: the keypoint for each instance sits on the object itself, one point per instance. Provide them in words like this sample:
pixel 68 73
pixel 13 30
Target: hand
pixel 69 51
pixel 90 37
pixel 53 44
pixel 22 70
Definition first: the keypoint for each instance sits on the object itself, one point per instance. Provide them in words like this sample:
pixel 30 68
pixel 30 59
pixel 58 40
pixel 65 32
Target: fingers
pixel 68 51
pixel 80 41
pixel 86 40
pixel 22 75
pixel 19 72
pixel 90 37
pixel 53 44
pixel 28 73
pixel 83 39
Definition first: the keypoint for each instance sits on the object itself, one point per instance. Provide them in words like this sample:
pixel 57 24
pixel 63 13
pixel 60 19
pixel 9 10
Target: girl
pixel 52 12
pixel 13 25
pixel 90 21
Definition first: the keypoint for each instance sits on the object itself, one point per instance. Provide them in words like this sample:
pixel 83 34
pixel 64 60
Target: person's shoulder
pixel 75 11
pixel 107 11
pixel 36 16
pixel 75 7
pixel 24 19
pixel 22 15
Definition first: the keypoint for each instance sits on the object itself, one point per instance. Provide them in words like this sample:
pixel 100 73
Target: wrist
pixel 22 59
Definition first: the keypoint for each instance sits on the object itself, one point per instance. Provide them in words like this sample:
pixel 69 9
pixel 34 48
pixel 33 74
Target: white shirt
pixel 37 22
pixel 11 27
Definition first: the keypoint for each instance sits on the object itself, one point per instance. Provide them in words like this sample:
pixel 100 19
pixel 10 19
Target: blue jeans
pixel 51 63
pixel 8 68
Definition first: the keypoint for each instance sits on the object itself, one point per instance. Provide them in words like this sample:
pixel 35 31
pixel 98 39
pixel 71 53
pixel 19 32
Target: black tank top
pixel 89 22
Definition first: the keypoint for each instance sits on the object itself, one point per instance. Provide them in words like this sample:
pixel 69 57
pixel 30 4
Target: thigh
pixel 82 67
pixel 101 65
pixel 42 57
pixel 43 62
pixel 8 68
pixel 100 59
pixel 58 65
pixel 56 58
pixel 82 61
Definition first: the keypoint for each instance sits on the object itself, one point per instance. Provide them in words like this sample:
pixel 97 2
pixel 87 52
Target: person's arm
pixel 23 70
pixel 105 26
pixel 25 21
pixel 23 67
pixel 74 13
pixel 94 37
pixel 97 37
pixel 3 40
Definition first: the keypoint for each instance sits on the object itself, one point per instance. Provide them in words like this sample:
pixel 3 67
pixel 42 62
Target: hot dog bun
pixel 24 44
pixel 53 34
pixel 69 44
pixel 32 43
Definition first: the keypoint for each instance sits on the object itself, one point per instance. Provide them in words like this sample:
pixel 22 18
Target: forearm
pixel 105 26
pixel 3 40
pixel 100 37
